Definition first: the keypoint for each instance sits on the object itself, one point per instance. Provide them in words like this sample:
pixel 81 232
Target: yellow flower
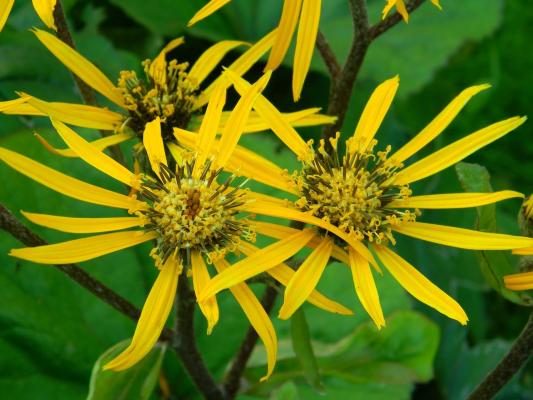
pixel 361 199
pixel 305 13
pixel 43 8
pixel 182 208
pixel 402 10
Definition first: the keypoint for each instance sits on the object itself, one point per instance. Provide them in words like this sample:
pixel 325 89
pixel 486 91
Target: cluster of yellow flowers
pixel 351 203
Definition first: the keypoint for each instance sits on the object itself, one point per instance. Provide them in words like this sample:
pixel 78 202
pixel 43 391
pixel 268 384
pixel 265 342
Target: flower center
pixel 353 194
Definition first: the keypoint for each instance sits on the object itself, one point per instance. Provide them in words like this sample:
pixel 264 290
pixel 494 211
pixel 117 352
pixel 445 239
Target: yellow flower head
pixel 43 8
pixel 402 10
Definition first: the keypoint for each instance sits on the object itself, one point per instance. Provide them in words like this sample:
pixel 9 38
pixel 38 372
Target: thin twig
pixel 328 56
pixel 232 381
pixel 19 231
pixel 184 342
pixel 517 356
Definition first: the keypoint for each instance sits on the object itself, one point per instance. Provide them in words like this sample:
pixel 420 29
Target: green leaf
pixel 135 383
pixel 287 391
pixel 493 264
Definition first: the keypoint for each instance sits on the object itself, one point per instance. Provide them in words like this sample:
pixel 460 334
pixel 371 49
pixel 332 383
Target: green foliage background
pixel 52 332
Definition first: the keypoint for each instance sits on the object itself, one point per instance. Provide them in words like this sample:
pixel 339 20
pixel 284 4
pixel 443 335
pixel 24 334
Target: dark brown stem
pixel 232 381
pixel 19 231
pixel 328 56
pixel 517 356
pixel 184 342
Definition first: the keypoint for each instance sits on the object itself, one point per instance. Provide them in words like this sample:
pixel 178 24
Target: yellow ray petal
pixel 45 11
pixel 207 10
pixel 306 278
pixel 419 286
pixel 437 4
pixel 92 156
pixel 270 114
pixel 153 317
pixel 522 281
pixel 373 114
pixel 286 27
pixel 240 66
pixel 462 238
pixel 261 261
pixel 80 66
pixel 523 251
pixel 67 185
pixel 153 144
pixel 305 44
pixel 100 144
pixel 256 315
pixel 400 7
pixel 210 58
pixel 237 120
pixel 5 9
pixel 18 107
pixel 454 200
pixel 158 67
pixel 439 123
pixel 78 250
pixel 365 288
pixel 456 151
pixel 83 225
pixel 200 278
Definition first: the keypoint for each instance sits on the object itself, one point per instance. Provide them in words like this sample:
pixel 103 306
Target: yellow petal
pixel 200 278
pixel 45 11
pixel 153 144
pixel 456 151
pixel 522 281
pixel 375 110
pixel 80 66
pixel 365 288
pixel 240 66
pixel 419 286
pixel 153 317
pixel 99 144
pixel 210 58
pixel 462 238
pixel 273 117
pixel 305 44
pixel 523 251
pixel 261 261
pixel 207 10
pixel 18 107
pixel 67 185
pixel 92 156
pixel 306 278
pixel 237 120
pixel 158 66
pixel 5 9
pixel 439 123
pixel 437 4
pixel 454 200
pixel 257 316
pixel 78 250
pixel 286 27
pixel 83 225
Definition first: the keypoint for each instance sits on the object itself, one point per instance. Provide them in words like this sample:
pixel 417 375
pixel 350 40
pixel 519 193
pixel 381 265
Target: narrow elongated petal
pixel 158 67
pixel 365 288
pixel 439 123
pixel 456 151
pixel 233 130
pixel 454 200
pixel 200 278
pixel 45 11
pixel 83 225
pixel 270 114
pixel 525 251
pixel 286 27
pixel 67 185
pixel 462 238
pixel 100 144
pixel 305 44
pixel 256 315
pixel 153 143
pixel 210 58
pixel 400 7
pixel 153 317
pixel 207 10
pixel 5 9
pixel 419 286
pixel 18 107
pixel 78 250
pixel 80 66
pixel 92 156
pixel 373 114
pixel 306 278
pixel 261 261
pixel 523 281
